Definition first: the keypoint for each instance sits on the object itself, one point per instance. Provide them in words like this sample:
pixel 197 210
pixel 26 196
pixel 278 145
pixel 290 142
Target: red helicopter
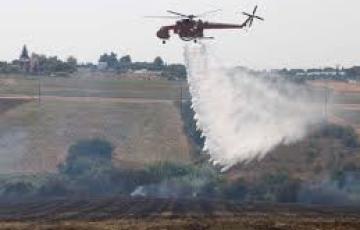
pixel 190 29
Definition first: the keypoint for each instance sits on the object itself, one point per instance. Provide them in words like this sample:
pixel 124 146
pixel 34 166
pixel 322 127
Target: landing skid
pixel 204 38
pixel 195 40
pixel 207 38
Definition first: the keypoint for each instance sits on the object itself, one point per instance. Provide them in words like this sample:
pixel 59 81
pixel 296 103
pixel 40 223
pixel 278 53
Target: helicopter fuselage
pixel 186 29
pixel 191 29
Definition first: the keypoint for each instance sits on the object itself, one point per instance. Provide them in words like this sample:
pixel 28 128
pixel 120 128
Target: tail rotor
pixel 250 21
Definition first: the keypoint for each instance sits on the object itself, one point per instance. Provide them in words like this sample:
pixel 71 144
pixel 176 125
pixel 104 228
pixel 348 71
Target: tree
pixel 166 170
pixel 72 60
pixel 347 135
pixel 111 59
pixel 88 157
pixel 47 65
pixel 25 60
pixel 353 71
pixel 24 53
pixel 104 57
pixel 236 190
pixel 72 63
pixel 158 62
pixel 173 72
pixel 125 59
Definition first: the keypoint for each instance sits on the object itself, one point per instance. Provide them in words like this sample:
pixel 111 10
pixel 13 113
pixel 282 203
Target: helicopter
pixel 191 27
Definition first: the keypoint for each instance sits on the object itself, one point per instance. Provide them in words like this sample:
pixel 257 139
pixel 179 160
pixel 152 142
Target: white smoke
pixel 243 117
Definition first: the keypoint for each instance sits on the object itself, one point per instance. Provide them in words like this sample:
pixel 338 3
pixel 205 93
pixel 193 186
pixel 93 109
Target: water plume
pixel 244 116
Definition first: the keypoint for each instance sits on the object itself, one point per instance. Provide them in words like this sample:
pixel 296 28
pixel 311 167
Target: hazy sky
pixel 296 33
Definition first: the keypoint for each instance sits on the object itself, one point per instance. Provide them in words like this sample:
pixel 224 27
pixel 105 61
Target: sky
pixel 296 33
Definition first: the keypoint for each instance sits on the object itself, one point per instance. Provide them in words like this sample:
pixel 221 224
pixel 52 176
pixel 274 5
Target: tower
pixel 25 60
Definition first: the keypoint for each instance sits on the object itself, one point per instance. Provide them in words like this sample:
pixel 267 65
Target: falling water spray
pixel 243 116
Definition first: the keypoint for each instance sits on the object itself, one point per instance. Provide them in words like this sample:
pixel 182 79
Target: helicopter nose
pixel 163 34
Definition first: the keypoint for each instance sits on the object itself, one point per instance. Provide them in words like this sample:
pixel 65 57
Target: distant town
pixel 42 65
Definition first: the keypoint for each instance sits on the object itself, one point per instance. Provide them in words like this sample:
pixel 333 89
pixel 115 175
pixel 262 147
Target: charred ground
pixel 125 213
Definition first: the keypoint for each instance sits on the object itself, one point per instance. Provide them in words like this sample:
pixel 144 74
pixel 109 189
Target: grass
pixel 18 86
pixel 344 103
pixel 347 98
pixel 135 129
pixel 352 117
pixel 110 88
pixel 36 138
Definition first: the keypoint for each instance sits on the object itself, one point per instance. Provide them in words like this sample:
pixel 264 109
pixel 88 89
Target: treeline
pixel 41 65
pixel 48 65
pixel 125 64
pixel 328 73
pixel 54 66
pixel 89 171
pixel 8 68
pixel 302 75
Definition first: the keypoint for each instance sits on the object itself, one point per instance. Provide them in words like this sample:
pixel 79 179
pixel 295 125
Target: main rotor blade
pixel 176 13
pixel 260 18
pixel 209 12
pixel 247 14
pixel 255 9
pixel 164 17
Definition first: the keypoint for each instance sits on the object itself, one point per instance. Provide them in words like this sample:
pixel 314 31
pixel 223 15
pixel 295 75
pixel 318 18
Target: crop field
pixel 344 106
pixel 140 213
pixel 79 87
pixel 135 116
pixel 347 115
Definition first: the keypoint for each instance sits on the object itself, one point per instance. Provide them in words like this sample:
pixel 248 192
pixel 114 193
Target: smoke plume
pixel 243 116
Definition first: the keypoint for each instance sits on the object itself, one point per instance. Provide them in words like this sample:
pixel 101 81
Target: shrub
pixel 347 135
pixel 190 127
pixel 88 157
pixel 18 189
pixel 288 191
pixel 236 190
pixel 54 187
pixel 126 181
pixel 277 187
pixel 166 170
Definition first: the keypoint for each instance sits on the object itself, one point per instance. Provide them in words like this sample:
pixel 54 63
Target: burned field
pixel 141 213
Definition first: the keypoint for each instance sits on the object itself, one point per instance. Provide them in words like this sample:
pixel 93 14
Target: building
pixel 102 66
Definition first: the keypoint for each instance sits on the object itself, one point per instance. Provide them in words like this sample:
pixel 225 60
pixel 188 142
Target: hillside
pixel 142 120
